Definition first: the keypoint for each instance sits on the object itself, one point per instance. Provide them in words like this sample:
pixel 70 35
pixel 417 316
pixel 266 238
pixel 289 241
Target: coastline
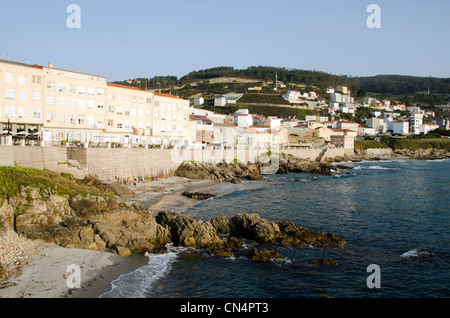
pixel 45 274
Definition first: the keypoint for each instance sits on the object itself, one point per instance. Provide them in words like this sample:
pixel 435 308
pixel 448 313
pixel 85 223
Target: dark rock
pixel 264 255
pixel 325 262
pixel 197 195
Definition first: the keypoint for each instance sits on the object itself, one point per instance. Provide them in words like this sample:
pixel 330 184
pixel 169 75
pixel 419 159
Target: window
pixel 141 112
pixel 91 120
pixel 133 111
pixel 62 118
pixel 90 104
pixel 163 116
pixel 91 91
pixel 119 111
pixel 10 111
pixel 62 87
pixel 10 94
pixel 141 100
pixel 50 85
pixel 73 89
pixel 149 100
pixel 156 103
pixel 101 92
pixel 110 123
pixel 81 104
pixel 50 100
pixel 133 99
pixel 127 111
pixel 119 124
pixel 148 125
pixel 36 96
pixel 100 121
pixel 22 79
pixel 140 124
pixel 23 95
pixel 148 112
pixel 73 103
pixel 23 112
pixel 163 106
pixel 81 120
pixel 169 106
pixel 111 96
pixel 36 80
pixel 127 124
pixel 156 115
pixel 169 117
pixel 81 90
pixel 72 119
pixel 101 105
pixel 36 113
pixel 111 109
pixel 62 102
pixel 9 77
pixel 50 116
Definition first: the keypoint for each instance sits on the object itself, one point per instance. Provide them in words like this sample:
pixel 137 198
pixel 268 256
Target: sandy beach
pixel 47 272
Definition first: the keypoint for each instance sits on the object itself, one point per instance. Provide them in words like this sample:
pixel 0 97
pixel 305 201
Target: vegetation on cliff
pixel 12 179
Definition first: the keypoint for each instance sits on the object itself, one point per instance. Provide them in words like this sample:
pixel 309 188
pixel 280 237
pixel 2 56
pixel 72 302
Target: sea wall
pixel 51 158
pixel 111 163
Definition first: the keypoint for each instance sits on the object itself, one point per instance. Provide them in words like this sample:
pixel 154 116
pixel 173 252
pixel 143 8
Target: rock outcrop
pixel 232 172
pixel 88 222
pixel 263 255
pixel 99 223
pixel 197 195
pixel 251 226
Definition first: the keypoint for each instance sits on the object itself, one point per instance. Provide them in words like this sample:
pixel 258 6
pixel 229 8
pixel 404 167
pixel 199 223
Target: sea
pixel 393 214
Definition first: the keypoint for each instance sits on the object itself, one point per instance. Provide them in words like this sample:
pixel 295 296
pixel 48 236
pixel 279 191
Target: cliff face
pixel 87 222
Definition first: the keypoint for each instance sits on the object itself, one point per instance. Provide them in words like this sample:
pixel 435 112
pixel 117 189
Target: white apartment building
pixel 57 105
pixel 400 127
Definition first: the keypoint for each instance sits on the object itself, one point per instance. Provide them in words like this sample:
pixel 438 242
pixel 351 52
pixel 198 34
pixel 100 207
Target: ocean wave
pixel 135 284
pixel 415 253
pixel 373 168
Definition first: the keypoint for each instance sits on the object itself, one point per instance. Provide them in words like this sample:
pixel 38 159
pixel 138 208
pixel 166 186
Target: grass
pixel 13 178
pixel 369 144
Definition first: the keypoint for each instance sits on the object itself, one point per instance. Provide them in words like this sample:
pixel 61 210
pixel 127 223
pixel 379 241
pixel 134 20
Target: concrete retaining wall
pixel 111 163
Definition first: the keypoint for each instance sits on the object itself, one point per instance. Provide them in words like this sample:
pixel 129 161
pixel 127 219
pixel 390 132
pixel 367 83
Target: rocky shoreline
pixel 36 219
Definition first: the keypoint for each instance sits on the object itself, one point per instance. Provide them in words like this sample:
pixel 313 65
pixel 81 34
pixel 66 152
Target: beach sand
pixel 46 274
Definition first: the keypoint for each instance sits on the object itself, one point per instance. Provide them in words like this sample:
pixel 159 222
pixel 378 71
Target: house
pixel 245 120
pixel 198 101
pixel 220 101
pixel 323 132
pixel 204 128
pixel 426 128
pixel 347 125
pixel 343 141
pixel 400 127
pixel 225 134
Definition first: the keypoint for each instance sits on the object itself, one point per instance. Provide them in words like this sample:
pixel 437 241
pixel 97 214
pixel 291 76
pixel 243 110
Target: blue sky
pixel 136 38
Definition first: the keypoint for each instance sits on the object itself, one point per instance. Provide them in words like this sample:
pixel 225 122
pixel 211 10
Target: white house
pixel 400 127
pixel 426 128
pixel 245 120
pixel 347 125
pixel 220 101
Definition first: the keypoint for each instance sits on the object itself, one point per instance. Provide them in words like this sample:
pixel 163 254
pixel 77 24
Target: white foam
pixel 135 284
pixel 414 253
